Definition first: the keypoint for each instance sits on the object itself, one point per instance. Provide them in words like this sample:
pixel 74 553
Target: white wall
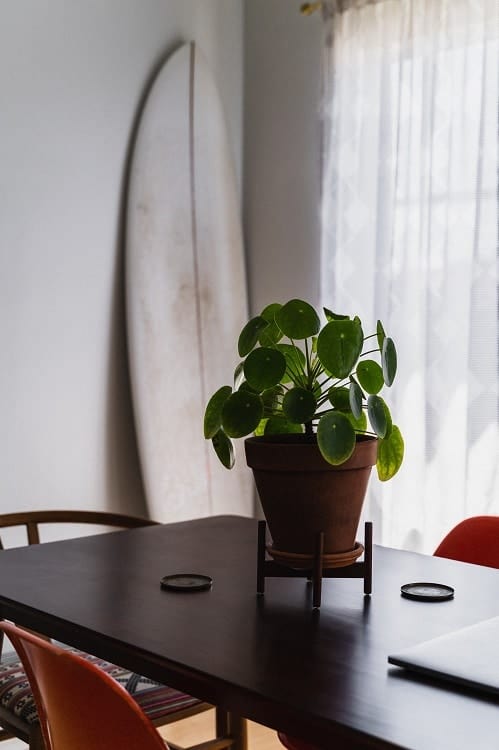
pixel 281 151
pixel 72 75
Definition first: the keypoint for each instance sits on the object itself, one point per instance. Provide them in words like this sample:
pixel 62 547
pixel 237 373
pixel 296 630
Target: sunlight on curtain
pixel 410 221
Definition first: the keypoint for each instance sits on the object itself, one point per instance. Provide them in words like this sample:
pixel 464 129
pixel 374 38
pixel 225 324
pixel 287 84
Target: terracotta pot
pixel 302 494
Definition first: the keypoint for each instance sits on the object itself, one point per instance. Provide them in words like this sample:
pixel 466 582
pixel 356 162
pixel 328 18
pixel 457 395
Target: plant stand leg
pixel 260 568
pixel 368 558
pixel 317 571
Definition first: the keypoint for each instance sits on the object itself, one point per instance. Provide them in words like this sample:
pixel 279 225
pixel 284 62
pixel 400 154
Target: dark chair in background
pixel 161 704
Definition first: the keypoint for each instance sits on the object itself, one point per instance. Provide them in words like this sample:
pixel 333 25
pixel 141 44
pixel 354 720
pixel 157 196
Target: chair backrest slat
pixel 31 520
pixel 33 535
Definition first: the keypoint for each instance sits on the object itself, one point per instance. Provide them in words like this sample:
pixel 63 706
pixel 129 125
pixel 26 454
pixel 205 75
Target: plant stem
pixel 330 377
pixel 325 397
pixel 307 362
pixel 295 375
pixel 317 369
pixel 322 399
pixel 338 384
pixel 302 379
pixel 320 414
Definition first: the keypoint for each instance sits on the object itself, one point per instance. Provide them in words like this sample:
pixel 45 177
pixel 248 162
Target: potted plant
pixel 310 393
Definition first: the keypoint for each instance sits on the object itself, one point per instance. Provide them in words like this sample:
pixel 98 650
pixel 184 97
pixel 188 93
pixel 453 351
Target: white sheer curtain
pixel 410 222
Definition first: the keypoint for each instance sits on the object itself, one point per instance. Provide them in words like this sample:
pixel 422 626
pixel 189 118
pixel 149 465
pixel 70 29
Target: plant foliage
pixel 296 375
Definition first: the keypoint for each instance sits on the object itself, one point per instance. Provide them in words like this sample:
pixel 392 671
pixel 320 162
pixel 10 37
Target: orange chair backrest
pixel 80 707
pixel 474 540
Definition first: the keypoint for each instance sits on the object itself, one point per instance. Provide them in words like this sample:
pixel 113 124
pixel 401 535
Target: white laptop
pixel 469 657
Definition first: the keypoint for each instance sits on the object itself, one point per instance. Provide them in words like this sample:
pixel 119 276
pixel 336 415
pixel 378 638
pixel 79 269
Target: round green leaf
pixel 264 367
pixel 299 405
pixel 330 315
pixel 388 418
pixel 213 413
pixel 335 437
pixel 390 454
pixel 377 415
pixel 249 335
pixel 260 428
pixel 281 426
pixel 245 386
pixel 224 449
pixel 272 334
pixel 360 424
pixel 295 362
pixel 370 376
pixel 339 398
pixel 241 413
pixel 238 375
pixel 339 346
pixel 268 313
pixel 355 398
pixel 389 360
pixel 298 320
pixel 270 397
pixel 380 334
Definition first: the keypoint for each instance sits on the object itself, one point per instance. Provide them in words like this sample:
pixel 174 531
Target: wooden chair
pixel 474 540
pixel 161 704
pixel 80 706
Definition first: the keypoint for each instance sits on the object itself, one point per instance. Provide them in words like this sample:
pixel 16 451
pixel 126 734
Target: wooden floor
pixel 199 728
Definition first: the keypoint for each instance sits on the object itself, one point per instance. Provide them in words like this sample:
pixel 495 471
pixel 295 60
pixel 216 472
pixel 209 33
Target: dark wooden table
pixel 320 675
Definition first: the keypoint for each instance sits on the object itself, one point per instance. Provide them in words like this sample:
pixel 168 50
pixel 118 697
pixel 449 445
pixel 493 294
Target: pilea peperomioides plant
pixel 297 376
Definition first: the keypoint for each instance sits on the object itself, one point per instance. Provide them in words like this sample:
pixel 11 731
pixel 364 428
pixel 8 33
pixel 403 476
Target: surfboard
pixel 185 287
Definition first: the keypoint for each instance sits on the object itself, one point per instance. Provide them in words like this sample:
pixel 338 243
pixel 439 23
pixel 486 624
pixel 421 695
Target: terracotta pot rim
pixel 297 453
pixel 300 439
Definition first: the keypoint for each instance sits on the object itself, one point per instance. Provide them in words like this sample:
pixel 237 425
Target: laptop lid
pixel 469 656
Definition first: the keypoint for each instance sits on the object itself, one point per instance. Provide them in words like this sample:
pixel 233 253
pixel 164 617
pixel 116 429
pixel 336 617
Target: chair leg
pixel 239 731
pixel 222 727
pixel 36 738
pixel 229 724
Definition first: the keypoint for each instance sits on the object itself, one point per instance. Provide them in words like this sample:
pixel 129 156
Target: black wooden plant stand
pixel 272 569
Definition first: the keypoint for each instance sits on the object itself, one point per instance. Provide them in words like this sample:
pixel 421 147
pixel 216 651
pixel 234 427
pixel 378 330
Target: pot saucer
pixel 300 561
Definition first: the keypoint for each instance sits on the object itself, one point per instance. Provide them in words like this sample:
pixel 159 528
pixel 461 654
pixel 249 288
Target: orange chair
pixel 474 540
pixel 80 706
pixel 162 704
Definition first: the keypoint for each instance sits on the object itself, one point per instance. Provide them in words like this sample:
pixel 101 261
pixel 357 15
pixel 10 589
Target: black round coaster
pixel 427 592
pixel 186 582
